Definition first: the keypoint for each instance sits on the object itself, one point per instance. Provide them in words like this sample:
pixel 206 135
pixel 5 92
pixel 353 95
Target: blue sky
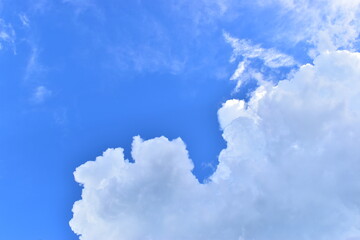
pixel 78 77
pixel 114 70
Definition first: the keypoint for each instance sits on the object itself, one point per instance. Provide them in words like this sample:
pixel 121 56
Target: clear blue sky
pixel 78 77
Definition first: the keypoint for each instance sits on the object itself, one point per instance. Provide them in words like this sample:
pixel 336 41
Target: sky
pixel 156 120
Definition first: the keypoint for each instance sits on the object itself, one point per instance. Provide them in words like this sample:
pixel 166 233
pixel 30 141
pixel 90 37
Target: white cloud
pixel 24 20
pixel 127 201
pixel 328 24
pixel 299 156
pixel 34 67
pixel 271 59
pixel 290 170
pixel 7 35
pixel 324 24
pixel 40 94
pixel 231 110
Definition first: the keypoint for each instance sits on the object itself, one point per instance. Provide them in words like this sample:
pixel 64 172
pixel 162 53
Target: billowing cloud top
pixel 291 166
pixel 290 170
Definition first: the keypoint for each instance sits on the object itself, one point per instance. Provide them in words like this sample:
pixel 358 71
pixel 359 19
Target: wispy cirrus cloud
pixel 248 52
pixel 34 67
pixel 24 20
pixel 7 35
pixel 324 24
pixel 271 57
pixel 40 94
pixel 327 24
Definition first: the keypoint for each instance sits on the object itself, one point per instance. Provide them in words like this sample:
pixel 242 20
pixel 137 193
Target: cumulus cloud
pixel 289 171
pixel 290 168
pixel 126 201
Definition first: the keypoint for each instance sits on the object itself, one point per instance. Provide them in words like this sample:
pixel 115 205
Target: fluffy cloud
pixel 297 153
pixel 289 171
pixel 290 168
pixel 145 200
